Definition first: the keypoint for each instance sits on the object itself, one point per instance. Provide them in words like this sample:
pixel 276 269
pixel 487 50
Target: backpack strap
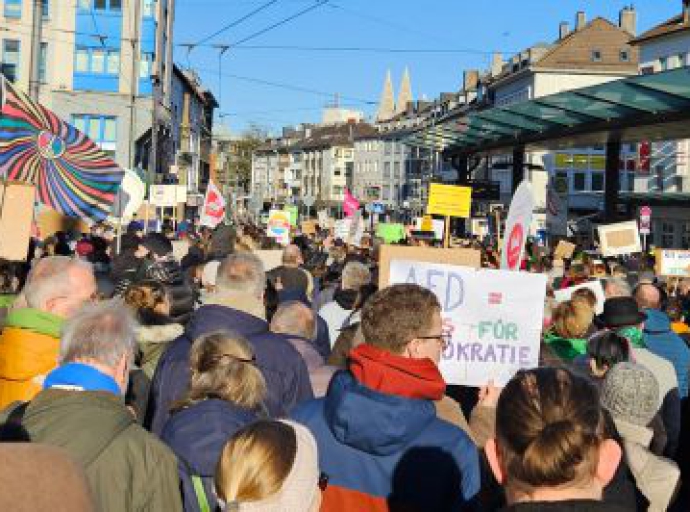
pixel 16 414
pixel 200 493
pixel 11 429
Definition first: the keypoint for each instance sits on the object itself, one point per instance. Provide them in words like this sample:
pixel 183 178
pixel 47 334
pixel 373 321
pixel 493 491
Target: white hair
pixel 101 332
pixel 617 287
pixel 293 317
pixel 355 275
pixel 50 278
pixel 242 272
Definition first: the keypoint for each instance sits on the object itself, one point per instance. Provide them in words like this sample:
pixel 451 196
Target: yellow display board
pixel 449 200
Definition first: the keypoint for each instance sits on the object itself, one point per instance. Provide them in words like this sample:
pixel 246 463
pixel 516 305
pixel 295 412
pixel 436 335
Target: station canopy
pixel 640 108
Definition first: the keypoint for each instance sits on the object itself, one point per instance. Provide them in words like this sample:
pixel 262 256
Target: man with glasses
pixel 55 289
pixel 380 440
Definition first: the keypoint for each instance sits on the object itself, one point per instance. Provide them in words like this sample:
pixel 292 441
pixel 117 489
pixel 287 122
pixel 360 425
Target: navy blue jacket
pixel 197 435
pixel 662 341
pixel 383 451
pixel 283 368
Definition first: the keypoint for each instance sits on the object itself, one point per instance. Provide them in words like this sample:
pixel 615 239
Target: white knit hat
pixel 300 487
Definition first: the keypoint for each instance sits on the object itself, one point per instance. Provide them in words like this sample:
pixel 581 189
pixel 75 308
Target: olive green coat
pixel 128 469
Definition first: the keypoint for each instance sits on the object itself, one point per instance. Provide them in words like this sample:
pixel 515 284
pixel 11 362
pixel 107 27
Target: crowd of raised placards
pixel 213 370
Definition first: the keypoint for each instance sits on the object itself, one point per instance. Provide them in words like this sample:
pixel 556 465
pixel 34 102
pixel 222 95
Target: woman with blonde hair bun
pixel 226 393
pixel 270 466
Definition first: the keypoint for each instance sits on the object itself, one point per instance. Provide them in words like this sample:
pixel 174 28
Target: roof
pixel 656 198
pixel 646 107
pixel 668 27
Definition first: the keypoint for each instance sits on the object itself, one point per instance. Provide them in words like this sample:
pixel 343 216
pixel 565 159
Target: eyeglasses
pixel 323 481
pixel 445 338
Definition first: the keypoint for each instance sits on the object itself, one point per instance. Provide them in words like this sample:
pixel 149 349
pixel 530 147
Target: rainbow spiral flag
pixel 71 173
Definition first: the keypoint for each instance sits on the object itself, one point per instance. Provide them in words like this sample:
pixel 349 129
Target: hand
pixel 488 395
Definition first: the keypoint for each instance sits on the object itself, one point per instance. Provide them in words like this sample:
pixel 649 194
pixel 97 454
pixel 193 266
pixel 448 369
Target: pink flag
pixel 350 204
pixel 213 210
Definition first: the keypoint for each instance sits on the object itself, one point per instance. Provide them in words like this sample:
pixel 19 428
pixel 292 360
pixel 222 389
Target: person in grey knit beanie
pixel 631 393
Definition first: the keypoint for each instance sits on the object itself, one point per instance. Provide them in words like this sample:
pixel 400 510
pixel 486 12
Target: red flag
pixel 213 210
pixel 350 204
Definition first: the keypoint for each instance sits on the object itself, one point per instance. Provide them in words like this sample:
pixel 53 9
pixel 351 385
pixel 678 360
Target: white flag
pixel 213 211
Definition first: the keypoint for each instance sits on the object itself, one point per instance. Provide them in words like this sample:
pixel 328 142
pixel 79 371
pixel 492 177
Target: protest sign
pixel 566 293
pixel 449 200
pixel 493 316
pixel 16 219
pixel 517 227
pixel 323 218
pixel 564 250
pixel 437 226
pixel 50 222
pixel 293 213
pixel 557 212
pixel 461 257
pixel 163 195
pixel 341 229
pixel 309 227
pixel 390 233
pixel 278 226
pixel 620 238
pixel 672 263
pixel 271 258
pixel 180 249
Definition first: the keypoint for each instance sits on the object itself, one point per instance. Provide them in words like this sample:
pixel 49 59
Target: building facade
pixel 98 65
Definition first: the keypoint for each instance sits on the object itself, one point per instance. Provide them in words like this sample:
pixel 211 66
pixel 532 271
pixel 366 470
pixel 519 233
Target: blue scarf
pixel 81 377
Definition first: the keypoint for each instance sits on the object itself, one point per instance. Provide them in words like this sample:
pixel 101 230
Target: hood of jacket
pixel 198 433
pixel 657 322
pixel 55 415
pixel 215 317
pixel 371 421
pixel 159 333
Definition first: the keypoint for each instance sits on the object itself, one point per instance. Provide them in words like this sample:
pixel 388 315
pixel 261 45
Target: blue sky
pixel 473 28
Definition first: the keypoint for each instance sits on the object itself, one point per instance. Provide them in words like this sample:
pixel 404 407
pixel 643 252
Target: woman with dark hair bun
pixel 551 451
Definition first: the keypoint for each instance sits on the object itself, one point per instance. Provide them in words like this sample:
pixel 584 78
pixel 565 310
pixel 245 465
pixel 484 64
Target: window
pixel 667 234
pixel 45 9
pixel 13 8
pixel 597 181
pixel 663 63
pixel 101 5
pixel 84 5
pixel 10 59
pixel 624 56
pixel 100 129
pixel 145 65
pixel 396 170
pixel 596 55
pixel 148 8
pixel 680 60
pixel 387 148
pixel 42 63
pixel 386 170
pixel 579 179
pixel 97 60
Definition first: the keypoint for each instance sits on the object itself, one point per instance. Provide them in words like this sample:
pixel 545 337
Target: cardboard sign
pixel 341 229
pixel 595 286
pixel 16 218
pixel 437 226
pixel 449 200
pixel 270 258
pixel 672 263
pixel 620 238
pixel 564 250
pixel 517 227
pixel 49 222
pixel 461 257
pixel 308 227
pixel 494 317
pixel 163 195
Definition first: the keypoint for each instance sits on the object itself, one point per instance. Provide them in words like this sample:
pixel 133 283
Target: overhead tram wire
pixel 235 22
pixel 363 49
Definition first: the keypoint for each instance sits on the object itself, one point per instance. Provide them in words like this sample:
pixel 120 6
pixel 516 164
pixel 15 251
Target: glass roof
pixel 629 102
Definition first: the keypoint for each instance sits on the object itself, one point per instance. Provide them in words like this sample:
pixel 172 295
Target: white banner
pixel 595 286
pixel 163 195
pixel 517 227
pixel 495 318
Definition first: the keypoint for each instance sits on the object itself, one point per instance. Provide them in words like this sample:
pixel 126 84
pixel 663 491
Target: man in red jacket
pixel 380 441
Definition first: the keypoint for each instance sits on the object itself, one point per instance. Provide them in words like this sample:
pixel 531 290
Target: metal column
pixel 612 180
pixel 518 167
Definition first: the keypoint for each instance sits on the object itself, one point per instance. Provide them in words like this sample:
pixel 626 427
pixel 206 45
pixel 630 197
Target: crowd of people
pixel 131 380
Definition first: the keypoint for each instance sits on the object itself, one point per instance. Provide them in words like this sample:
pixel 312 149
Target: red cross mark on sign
pixel 514 246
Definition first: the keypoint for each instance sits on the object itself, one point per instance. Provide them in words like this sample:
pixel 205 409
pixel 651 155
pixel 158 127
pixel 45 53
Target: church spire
pixel 387 102
pixel 405 93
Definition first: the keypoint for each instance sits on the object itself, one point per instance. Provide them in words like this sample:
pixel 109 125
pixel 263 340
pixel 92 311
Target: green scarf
pixel 35 320
pixel 566 348
pixel 633 334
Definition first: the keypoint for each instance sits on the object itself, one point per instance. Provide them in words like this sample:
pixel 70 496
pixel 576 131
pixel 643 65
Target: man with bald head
pixel 658 336
pixel 296 322
pixel 290 276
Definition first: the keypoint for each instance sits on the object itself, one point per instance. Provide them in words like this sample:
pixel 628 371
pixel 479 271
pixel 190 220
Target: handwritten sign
pixel 493 316
pixel 449 200
pixel 672 263
pixel 460 257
